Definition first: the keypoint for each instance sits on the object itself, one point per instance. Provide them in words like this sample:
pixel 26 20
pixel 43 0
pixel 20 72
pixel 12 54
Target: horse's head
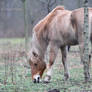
pixel 37 67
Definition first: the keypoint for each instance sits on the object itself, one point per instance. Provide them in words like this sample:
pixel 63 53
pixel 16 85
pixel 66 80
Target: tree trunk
pixel 79 4
pixel 86 41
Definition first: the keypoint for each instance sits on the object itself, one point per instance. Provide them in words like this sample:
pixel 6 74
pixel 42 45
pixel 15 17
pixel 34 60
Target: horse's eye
pixel 35 64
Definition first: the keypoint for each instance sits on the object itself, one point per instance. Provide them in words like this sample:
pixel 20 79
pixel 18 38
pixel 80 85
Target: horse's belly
pixel 73 42
pixel 71 39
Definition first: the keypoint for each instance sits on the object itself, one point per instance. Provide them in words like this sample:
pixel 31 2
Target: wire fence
pixel 14 68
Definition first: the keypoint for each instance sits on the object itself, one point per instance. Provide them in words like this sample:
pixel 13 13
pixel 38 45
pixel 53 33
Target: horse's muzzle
pixel 36 79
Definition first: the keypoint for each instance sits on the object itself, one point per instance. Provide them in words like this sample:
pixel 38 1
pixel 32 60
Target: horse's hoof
pixel 47 79
pixel 87 79
pixel 46 82
pixel 66 77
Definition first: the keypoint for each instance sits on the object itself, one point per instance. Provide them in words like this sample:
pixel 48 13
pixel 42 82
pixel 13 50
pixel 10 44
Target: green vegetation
pixel 18 76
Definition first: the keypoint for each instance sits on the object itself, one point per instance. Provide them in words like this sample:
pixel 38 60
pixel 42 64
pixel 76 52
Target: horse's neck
pixel 39 48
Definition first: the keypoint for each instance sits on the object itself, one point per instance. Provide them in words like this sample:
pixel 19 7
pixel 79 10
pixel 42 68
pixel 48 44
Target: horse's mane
pixel 42 24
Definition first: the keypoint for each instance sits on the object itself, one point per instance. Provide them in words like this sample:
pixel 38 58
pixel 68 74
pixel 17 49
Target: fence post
pixel 26 38
pixel 86 41
pixel 25 26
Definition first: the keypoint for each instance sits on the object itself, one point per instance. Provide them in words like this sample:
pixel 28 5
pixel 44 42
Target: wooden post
pixel 86 41
pixel 79 3
pixel 25 26
pixel 26 38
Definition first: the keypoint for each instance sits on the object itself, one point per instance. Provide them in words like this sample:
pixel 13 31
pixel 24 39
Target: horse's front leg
pixel 52 56
pixel 64 61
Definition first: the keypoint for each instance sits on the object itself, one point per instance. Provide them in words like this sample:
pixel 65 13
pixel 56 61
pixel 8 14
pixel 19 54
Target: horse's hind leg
pixel 64 61
pixel 52 57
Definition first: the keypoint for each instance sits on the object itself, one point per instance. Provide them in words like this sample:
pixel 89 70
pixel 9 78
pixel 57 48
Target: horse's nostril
pixel 38 78
pixel 34 80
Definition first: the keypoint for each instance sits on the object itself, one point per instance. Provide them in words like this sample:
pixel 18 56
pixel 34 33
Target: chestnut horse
pixel 58 29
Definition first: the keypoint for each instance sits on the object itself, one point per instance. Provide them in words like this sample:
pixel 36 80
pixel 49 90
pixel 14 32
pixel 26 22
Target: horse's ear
pixel 35 54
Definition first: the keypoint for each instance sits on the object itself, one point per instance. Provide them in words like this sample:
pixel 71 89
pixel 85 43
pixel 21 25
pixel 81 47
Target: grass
pixel 18 77
pixel 12 40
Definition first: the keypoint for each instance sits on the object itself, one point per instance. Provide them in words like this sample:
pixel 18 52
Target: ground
pixel 15 73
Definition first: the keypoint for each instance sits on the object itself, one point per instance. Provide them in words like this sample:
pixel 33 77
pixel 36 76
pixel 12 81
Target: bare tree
pixel 50 4
pixel 25 24
pixel 79 3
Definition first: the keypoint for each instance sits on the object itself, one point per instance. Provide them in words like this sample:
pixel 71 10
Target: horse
pixel 58 29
